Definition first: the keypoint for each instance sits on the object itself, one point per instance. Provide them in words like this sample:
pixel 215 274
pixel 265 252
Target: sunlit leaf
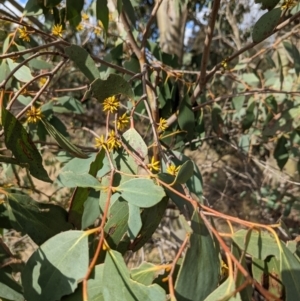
pixel 118 276
pixel 62 260
pixel 136 192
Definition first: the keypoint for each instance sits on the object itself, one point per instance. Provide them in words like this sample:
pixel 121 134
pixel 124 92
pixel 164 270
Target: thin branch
pixel 12 72
pixel 207 42
pixel 150 21
pixel 198 89
pixel 35 49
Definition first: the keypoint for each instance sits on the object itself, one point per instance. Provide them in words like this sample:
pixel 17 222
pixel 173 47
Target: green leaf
pixel 40 221
pixel 281 153
pixel 68 104
pixel 129 11
pixel 151 218
pixel 135 143
pixel 55 268
pixel 224 292
pixel 185 172
pixel 102 13
pixel 134 221
pixel 290 267
pixel 117 276
pixel 113 85
pixel 265 25
pixel 19 142
pixel 194 184
pixel 274 277
pixel 295 55
pixel 83 61
pixel 267 4
pixel 136 192
pixel 33 8
pixel 51 3
pixel 23 74
pixel 71 179
pixel 260 244
pixel 39 64
pixel 216 117
pixel 145 273
pixel 91 209
pixel 73 11
pixel 62 141
pixel 9 288
pixel 238 102
pixel 250 116
pixel 94 287
pixel 186 117
pixel 4 72
pixel 90 166
pixel 192 284
pixel 283 122
pixel 116 226
pixel 247 292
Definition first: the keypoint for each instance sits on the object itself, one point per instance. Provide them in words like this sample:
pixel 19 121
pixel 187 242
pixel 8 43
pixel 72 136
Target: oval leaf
pixel 185 172
pixel 141 192
pixel 200 256
pixel 55 268
pixel 23 74
pixel 62 141
pixel 265 25
pixel 113 85
pixel 83 61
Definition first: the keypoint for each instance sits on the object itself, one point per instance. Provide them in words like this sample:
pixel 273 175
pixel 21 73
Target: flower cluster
pixel 287 4
pixel 57 30
pixel 24 34
pixel 154 165
pixel 111 104
pixel 163 125
pixel 122 122
pixel 34 115
pixel 111 143
pixel 173 170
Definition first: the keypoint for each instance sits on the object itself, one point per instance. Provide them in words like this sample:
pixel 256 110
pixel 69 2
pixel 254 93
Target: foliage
pixel 91 85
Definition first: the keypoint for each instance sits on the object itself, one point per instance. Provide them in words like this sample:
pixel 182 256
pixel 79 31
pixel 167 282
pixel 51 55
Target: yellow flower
pixel 224 269
pixel 162 124
pixel 100 142
pixel 79 27
pixel 224 63
pixel 287 4
pixel 34 115
pixel 57 30
pixel 97 30
pixel 42 81
pixel 173 170
pixel 122 122
pixel 154 165
pixel 110 17
pixel 111 104
pixel 100 24
pixel 24 34
pixel 112 141
pixel 85 16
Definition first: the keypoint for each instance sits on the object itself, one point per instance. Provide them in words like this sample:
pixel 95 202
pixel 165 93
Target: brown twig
pixel 150 21
pixel 207 43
